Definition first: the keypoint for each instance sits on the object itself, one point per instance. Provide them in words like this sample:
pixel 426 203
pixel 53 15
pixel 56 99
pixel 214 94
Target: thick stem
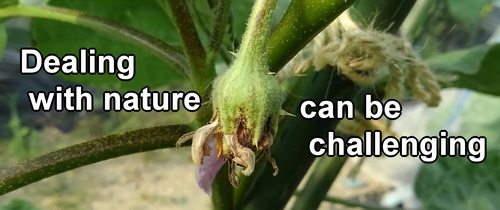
pixel 222 191
pixel 156 47
pixel 195 52
pixel 303 20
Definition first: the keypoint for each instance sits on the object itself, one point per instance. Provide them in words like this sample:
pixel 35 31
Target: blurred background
pixel 165 179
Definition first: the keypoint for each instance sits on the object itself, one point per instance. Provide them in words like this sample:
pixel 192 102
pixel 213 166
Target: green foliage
pixel 474 68
pixel 454 183
pixel 19 204
pixel 478 121
pixel 5 3
pixel 241 12
pixel 468 11
pixel 22 138
pixel 61 38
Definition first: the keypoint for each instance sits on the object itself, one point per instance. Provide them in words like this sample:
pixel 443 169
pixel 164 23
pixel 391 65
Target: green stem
pixel 156 47
pixel 195 52
pixel 415 20
pixel 303 20
pixel 325 172
pixel 222 191
pixel 255 38
pixel 90 152
pixel 221 22
pixel 226 56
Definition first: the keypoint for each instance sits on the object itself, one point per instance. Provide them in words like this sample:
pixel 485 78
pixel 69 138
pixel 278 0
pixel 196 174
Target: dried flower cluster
pixel 361 54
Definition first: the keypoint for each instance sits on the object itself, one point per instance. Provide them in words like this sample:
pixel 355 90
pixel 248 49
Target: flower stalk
pixel 254 43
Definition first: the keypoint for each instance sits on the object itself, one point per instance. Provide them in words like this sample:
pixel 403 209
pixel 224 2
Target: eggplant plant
pixel 248 138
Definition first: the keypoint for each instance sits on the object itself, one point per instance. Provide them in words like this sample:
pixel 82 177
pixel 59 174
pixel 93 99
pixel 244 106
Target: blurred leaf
pixel 281 7
pixel 241 10
pixel 467 11
pixel 3 39
pixel 5 3
pixel 148 16
pixel 204 14
pixel 34 2
pixel 454 183
pixel 474 68
pixel 18 204
pixel 90 152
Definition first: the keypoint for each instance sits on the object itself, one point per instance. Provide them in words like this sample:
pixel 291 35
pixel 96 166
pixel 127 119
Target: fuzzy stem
pixel 89 152
pixel 195 52
pixel 254 42
pixel 221 22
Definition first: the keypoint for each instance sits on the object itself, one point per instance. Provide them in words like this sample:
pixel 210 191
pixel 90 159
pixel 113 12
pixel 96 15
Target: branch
pixel 221 22
pixel 90 152
pixel 156 47
pixel 195 52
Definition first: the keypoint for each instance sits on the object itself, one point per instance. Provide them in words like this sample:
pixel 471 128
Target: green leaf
pixel 474 68
pixel 61 38
pixel 467 11
pixel 19 204
pixel 90 152
pixel 34 3
pixel 3 39
pixel 454 183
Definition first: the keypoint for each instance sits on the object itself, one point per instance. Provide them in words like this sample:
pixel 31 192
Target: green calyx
pixel 247 102
pixel 247 98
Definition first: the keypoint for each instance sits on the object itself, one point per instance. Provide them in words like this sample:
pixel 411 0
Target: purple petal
pixel 205 173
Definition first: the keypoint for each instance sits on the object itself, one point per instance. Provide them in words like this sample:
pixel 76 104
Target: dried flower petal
pixel 206 172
